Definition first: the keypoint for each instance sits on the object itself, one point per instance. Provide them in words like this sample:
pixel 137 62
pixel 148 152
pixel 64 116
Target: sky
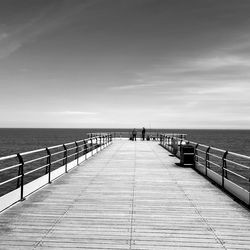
pixel 125 63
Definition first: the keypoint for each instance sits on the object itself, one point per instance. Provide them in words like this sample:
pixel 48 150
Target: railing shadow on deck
pixel 229 170
pixel 23 173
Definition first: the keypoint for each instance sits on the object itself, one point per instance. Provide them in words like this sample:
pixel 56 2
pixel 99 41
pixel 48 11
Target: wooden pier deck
pixel 132 195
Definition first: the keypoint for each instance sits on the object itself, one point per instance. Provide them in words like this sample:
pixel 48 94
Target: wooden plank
pixel 130 196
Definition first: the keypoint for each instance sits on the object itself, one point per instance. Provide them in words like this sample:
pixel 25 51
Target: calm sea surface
pixel 21 140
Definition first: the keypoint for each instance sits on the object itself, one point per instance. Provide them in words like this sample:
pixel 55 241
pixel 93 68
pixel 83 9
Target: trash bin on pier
pixel 186 155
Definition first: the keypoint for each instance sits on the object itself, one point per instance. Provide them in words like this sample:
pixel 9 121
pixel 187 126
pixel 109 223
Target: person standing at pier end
pixel 143 133
pixel 134 132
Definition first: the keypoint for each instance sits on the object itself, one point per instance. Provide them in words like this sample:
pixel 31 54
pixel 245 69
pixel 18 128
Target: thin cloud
pixel 50 18
pixel 135 86
pixel 68 112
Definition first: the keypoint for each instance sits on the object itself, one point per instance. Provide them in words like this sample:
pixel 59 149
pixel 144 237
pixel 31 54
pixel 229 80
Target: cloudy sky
pixel 125 63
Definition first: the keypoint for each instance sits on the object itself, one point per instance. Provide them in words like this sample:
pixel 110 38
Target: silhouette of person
pixel 134 132
pixel 143 133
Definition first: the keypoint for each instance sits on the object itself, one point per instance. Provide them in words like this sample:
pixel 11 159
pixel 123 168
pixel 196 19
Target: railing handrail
pixel 39 157
pixel 2 158
pixel 211 147
pixel 225 161
pixel 150 134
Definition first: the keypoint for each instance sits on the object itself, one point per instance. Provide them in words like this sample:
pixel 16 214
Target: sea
pixel 18 140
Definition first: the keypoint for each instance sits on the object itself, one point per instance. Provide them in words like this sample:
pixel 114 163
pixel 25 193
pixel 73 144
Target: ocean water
pixel 14 141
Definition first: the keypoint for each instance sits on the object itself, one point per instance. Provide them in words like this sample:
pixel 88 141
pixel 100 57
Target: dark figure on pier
pixel 143 133
pixel 134 132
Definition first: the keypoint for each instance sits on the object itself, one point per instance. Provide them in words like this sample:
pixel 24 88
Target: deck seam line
pixel 132 206
pixel 194 206
pixel 203 219
pixel 40 242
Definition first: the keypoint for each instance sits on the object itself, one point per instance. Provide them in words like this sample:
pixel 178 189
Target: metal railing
pixel 149 135
pixel 23 173
pixel 229 170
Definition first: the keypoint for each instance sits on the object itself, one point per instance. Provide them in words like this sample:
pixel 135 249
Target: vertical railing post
pixel 207 159
pixel 85 149
pixel 96 142
pixel 65 158
pixel 224 166
pixel 77 153
pixel 91 145
pixel 21 172
pixel 196 159
pixel 99 142
pixel 48 168
pixel 82 148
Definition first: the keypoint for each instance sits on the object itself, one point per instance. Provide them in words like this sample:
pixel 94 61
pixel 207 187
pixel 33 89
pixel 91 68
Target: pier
pixel 131 195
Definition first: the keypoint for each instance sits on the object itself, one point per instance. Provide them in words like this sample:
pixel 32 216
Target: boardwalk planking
pixel 130 196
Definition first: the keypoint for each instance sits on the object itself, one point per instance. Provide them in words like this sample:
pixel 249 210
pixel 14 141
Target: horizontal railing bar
pixel 70 149
pixel 57 153
pixel 199 150
pixel 57 146
pixel 242 177
pixel 215 156
pixel 214 164
pixel 37 159
pixel 3 158
pixel 43 149
pixel 80 141
pixel 32 152
pixel 239 155
pixel 217 149
pixel 74 154
pixel 11 167
pixel 238 164
pixel 200 164
pixel 34 170
pixel 61 159
pixel 69 143
pixel 206 146
pixel 9 180
pixel 198 156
